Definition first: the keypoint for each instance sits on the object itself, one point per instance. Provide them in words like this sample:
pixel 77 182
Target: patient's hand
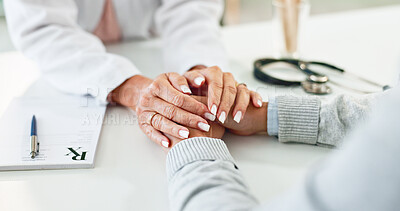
pixel 216 131
pixel 254 120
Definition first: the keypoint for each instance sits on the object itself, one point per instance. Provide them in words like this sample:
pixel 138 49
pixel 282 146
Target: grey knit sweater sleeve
pixel 363 175
pixel 202 175
pixel 312 121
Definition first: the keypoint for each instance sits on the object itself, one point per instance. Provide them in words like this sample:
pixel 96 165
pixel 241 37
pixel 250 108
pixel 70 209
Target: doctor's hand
pixel 163 106
pixel 222 91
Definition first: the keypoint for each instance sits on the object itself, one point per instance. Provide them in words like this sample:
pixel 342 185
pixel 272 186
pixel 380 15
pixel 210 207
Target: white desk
pixel 130 170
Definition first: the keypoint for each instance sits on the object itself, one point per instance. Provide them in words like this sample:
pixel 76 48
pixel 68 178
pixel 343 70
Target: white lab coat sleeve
pixel 71 59
pixel 191 34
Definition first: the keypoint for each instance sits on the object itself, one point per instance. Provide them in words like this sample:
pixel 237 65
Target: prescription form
pixel 68 129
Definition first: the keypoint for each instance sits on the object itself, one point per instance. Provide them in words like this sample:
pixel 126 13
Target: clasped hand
pixel 178 107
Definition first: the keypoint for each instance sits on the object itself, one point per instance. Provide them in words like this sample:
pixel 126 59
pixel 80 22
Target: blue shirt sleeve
pixel 273 121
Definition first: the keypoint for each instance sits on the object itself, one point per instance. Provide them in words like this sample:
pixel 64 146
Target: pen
pixel 34 139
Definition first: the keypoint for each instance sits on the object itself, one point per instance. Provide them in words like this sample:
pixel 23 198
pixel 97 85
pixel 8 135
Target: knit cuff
pixel 298 119
pixel 196 149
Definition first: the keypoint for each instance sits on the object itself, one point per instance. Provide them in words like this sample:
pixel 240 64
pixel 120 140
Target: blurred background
pixel 245 11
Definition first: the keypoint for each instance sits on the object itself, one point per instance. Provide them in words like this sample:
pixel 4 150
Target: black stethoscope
pixel 315 83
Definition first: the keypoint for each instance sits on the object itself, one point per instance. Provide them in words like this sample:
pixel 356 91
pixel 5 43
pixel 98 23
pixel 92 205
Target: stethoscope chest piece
pixel 315 88
pixel 316 84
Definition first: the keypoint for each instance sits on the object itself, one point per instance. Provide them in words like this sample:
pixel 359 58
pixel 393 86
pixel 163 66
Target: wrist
pixel 128 93
pixel 262 118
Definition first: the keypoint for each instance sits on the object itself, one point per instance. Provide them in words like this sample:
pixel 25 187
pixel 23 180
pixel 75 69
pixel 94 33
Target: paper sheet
pixel 68 130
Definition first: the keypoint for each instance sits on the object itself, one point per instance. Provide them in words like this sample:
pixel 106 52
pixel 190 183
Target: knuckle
pixel 228 74
pixel 216 85
pixel 247 91
pixel 215 69
pixel 147 131
pixel 153 137
pixel 141 126
pixel 192 122
pixel 154 87
pixel 215 99
pixel 241 108
pixel 139 110
pixel 231 90
pixel 169 111
pixel 142 118
pixel 195 71
pixel 181 79
pixel 200 108
pixel 169 74
pixel 241 105
pixel 144 100
pixel 198 74
pixel 244 89
pixel 156 122
pixel 178 100
pixel 254 95
pixel 174 130
pixel 162 76
pixel 188 74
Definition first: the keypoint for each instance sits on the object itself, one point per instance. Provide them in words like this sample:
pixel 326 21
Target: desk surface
pixel 130 170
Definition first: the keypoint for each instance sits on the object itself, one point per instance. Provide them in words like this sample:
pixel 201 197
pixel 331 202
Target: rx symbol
pixel 76 156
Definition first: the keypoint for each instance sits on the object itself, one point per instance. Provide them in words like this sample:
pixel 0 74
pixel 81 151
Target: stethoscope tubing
pixel 303 67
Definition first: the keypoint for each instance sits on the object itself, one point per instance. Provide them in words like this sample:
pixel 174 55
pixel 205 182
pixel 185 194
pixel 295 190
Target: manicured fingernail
pixel 184 133
pixel 238 116
pixel 214 110
pixel 165 144
pixel 222 117
pixel 186 89
pixel 204 126
pixel 209 116
pixel 259 103
pixel 198 80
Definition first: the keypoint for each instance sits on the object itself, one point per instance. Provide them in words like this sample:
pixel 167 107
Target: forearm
pixel 340 115
pixel 202 176
pixel 308 120
pixel 72 60
pixel 191 34
pixel 367 168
